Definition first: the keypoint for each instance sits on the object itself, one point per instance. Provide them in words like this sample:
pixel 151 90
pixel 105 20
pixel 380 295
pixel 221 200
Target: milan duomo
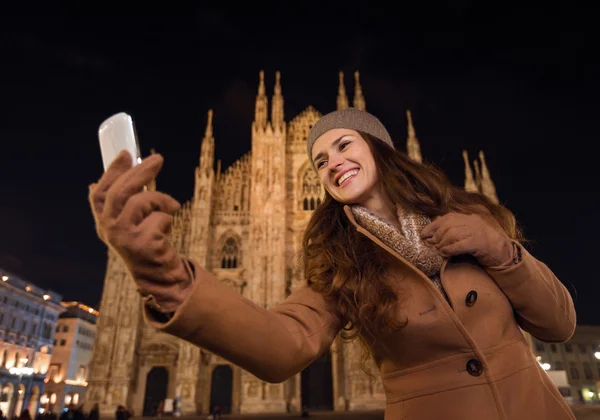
pixel 245 225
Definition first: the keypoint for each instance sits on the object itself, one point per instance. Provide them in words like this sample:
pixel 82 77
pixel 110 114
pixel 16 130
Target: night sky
pixel 519 83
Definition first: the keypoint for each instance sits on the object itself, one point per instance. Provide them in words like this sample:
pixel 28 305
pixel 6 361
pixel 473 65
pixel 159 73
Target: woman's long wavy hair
pixel 349 268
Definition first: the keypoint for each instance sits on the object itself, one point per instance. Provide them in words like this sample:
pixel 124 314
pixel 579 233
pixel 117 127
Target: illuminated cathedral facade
pixel 244 224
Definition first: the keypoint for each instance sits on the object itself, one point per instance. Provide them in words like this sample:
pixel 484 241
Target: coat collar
pixel 393 252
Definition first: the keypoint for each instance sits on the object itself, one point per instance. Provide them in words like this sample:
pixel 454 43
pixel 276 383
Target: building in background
pixel 577 362
pixel 28 317
pixel 66 381
pixel 245 225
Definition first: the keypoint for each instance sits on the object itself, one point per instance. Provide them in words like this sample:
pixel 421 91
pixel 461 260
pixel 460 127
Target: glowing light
pixel 80 306
pixel 46 297
pixel 4 278
pixel 76 382
pixel 21 371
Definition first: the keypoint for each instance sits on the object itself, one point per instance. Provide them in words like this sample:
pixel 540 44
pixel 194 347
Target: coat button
pixel 474 367
pixel 471 298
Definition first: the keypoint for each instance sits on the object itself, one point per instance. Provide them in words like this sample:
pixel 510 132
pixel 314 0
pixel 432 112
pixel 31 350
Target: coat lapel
pixel 411 267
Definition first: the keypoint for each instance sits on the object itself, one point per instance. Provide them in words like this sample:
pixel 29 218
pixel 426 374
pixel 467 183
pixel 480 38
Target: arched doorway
pixel 157 381
pixel 317 384
pixel 221 388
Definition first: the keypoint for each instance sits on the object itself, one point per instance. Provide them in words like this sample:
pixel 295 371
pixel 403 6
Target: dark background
pixel 521 83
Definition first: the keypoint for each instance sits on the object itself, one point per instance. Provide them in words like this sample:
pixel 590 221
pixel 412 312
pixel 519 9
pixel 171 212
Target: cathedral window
pixel 310 190
pixel 230 254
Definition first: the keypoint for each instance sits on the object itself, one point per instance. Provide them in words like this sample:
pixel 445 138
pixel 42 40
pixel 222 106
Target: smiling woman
pixel 433 279
pixel 355 175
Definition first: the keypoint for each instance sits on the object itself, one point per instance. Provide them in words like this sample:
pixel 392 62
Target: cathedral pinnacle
pixel 261 83
pixel 260 112
pixel 207 149
pixel 412 143
pixel 342 98
pixel 487 186
pixel 359 99
pixel 469 181
pixel 277 103
pixel 477 175
pixel 277 83
pixel 209 128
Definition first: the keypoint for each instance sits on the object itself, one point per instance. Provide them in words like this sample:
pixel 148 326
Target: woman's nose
pixel 335 161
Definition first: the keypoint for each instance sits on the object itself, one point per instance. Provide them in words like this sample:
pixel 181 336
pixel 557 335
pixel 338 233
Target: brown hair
pixel 347 267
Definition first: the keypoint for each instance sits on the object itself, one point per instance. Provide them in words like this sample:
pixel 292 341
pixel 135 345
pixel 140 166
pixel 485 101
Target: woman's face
pixel 346 167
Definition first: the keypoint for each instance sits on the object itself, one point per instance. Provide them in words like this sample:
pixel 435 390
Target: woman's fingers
pixel 130 183
pixel 141 205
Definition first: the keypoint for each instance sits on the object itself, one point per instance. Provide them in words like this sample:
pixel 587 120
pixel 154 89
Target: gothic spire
pixel 412 143
pixel 277 103
pixel 469 181
pixel 208 132
pixel 487 185
pixel 207 149
pixel 477 175
pixel 359 99
pixel 260 110
pixel 342 98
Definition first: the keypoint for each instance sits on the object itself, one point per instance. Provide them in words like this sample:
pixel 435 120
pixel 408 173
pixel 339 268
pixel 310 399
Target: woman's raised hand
pixel 136 224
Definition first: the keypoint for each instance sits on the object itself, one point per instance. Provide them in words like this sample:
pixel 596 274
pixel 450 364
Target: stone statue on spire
pixel 487 185
pixel 412 143
pixel 359 98
pixel 277 118
pixel 469 180
pixel 261 107
pixel 342 98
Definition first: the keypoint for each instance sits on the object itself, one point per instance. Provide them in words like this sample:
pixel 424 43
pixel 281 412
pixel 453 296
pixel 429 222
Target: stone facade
pixel 66 381
pixel 28 317
pixel 245 225
pixel 577 361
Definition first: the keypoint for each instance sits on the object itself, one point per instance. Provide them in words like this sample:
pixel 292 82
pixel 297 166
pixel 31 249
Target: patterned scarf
pixel 408 242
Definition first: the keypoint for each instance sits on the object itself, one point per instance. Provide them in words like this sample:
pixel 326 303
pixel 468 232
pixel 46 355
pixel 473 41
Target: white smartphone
pixel 115 134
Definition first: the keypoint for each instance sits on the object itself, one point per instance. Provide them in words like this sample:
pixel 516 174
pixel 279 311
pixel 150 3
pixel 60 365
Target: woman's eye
pixel 321 163
pixel 344 145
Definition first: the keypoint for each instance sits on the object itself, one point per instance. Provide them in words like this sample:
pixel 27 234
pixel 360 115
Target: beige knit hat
pixel 350 118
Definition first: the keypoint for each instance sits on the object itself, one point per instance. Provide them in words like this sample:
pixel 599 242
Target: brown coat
pixel 462 359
